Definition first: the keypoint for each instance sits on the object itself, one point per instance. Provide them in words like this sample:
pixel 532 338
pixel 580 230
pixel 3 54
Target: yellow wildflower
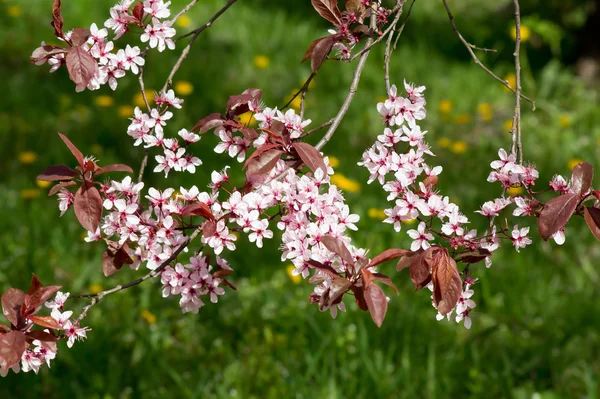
pixel 445 106
pixel 334 161
pixel 126 111
pixel 138 99
pixel 345 184
pixel 511 80
pixel 95 288
pixel 574 162
pixel 512 191
pixel 247 119
pixel 462 119
pixel 183 21
pixel 565 120
pixel 297 101
pixel 507 125
pixel 96 149
pixel 485 111
pixel 14 11
pixel 30 193
pixel 184 88
pixel 148 316
pixel 380 99
pixel 261 61
pixel 376 213
pixel 409 221
pixel 458 147
pixel 104 101
pixel 43 183
pixel 295 279
pixel 444 142
pixel 28 157
pixel 525 33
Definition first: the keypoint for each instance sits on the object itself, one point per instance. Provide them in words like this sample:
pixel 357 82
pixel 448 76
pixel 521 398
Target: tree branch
pixel 470 48
pixel 516 126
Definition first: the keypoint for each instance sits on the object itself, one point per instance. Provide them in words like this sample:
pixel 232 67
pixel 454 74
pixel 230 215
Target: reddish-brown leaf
pixel 324 268
pixel 36 296
pixel 475 256
pixel 12 300
pixel 116 167
pixel 57 172
pixel 338 247
pixel 88 207
pixel 114 258
pixel 12 346
pixel 359 296
pixel 209 122
pixel 311 48
pixel 4 329
pixel 45 321
pixel 556 214
pixel 592 218
pixel 367 277
pixel 138 11
pixel 81 66
pixel 249 133
pixel 447 285
pixel 430 182
pixel 385 280
pixel 237 105
pixel 57 20
pixel 320 51
pixel 406 260
pixel 209 228
pixel 387 255
pixel 357 7
pixel 377 303
pixel 329 10
pixel 264 162
pixel 41 54
pixel 277 137
pixel 310 156
pixel 263 148
pixel 40 336
pixel 74 150
pixel 57 187
pixel 79 36
pixel 335 292
pixel 581 178
pixel 198 209
pixel 420 267
pixel 222 273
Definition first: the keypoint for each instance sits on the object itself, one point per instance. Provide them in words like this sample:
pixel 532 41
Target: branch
pixel 516 126
pixel 388 51
pixel 302 90
pixel 470 48
pixel 351 92
pixel 97 297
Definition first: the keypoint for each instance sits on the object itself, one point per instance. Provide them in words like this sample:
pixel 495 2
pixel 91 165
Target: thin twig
pixel 143 89
pixel 516 130
pixel 351 92
pixel 403 24
pixel 396 9
pixel 183 11
pixel 470 47
pixel 302 90
pixel 388 51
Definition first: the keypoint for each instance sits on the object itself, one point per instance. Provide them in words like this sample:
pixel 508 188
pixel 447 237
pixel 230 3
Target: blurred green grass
pixel 536 326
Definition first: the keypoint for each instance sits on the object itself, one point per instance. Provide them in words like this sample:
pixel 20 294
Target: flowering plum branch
pixel 287 185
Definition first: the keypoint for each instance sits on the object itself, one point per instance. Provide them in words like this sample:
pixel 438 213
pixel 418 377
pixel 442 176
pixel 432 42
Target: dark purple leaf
pixel 264 162
pixel 263 148
pixel 329 10
pixel 237 105
pixel 114 258
pixel 12 346
pixel 88 207
pixel 475 256
pixel 57 20
pixel 335 292
pixel 581 179
pixel 209 122
pixel 57 187
pixel 138 11
pixel 310 156
pixel 36 296
pixel 324 268
pixel 117 167
pixel 592 218
pixel 376 302
pixel 81 66
pixel 57 172
pixel 320 51
pixel 447 285
pixel 41 336
pixel 556 214
pixel 198 209
pixel 338 247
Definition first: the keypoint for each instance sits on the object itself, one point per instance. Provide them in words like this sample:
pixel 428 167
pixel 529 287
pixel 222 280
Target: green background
pixel 536 326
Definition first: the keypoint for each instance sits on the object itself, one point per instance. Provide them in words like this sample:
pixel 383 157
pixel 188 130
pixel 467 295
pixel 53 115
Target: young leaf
pixel 324 268
pixel 420 267
pixel 556 214
pixel 88 207
pixel 79 36
pixel 12 300
pixel 376 302
pixel 447 285
pixel 74 150
pixel 57 187
pixel 138 11
pixel 387 255
pixel 385 280
pixel 57 20
pixel 199 209
pixel 367 277
pixel 264 163
pixel 320 51
pixel 329 10
pixel 36 296
pixel 117 167
pixel 334 293
pixel 40 336
pixel 475 256
pixel 114 258
pixel 209 228
pixel 81 66
pixel 57 172
pixel 592 218
pixel 310 156
pixel 41 54
pixel 12 346
pixel 263 148
pixel 45 321
pixel 338 247
pixel 581 179
pixel 209 122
